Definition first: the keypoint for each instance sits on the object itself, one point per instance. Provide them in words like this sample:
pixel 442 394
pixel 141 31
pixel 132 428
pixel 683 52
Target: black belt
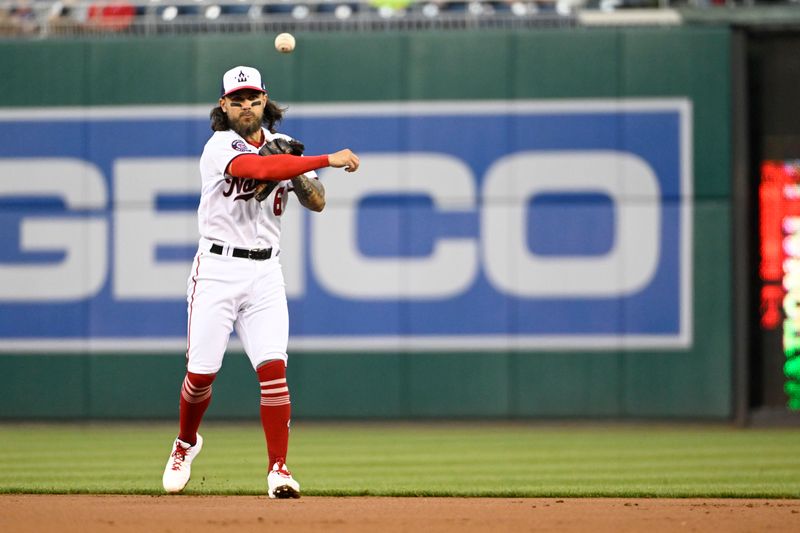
pixel 257 254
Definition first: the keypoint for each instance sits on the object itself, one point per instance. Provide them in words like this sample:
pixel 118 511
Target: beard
pixel 245 129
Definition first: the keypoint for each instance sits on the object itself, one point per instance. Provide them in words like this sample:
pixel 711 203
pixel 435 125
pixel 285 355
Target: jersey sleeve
pixel 220 150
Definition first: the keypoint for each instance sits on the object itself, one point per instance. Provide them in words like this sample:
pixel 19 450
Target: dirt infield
pixel 200 514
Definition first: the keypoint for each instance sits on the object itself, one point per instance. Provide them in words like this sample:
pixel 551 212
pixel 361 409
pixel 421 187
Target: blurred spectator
pixel 19 18
pixel 114 15
pixel 6 22
pixel 66 18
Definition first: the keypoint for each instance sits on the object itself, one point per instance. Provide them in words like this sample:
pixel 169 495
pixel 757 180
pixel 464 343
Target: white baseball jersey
pixel 227 212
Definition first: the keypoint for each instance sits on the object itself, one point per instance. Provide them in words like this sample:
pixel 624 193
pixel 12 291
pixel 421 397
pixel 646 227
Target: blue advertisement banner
pixel 514 225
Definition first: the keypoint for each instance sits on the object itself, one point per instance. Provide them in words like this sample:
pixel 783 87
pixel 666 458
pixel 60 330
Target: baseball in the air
pixel 284 43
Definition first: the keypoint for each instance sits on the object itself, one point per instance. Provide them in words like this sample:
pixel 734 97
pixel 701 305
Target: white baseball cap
pixel 241 77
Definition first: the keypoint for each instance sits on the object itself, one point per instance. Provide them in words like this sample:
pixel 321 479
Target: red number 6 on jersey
pixel 277 205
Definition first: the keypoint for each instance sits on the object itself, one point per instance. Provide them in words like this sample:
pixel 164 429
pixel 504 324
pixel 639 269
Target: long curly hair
pixel 273 114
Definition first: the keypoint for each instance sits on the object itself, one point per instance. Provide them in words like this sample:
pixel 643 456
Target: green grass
pixel 479 459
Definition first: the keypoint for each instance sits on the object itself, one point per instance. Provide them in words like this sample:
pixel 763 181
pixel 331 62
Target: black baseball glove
pixel 278 145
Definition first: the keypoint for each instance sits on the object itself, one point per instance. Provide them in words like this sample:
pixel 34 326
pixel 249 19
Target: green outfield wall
pixel 542 65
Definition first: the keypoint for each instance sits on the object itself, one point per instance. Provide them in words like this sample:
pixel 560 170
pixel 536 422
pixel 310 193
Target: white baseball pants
pixel 224 293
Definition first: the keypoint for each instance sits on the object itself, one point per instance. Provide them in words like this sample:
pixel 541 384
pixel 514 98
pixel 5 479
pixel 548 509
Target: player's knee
pixel 271 369
pixel 197 387
pixel 200 380
pixel 274 389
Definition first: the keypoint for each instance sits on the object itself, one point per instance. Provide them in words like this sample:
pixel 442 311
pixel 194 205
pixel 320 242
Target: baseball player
pixel 236 280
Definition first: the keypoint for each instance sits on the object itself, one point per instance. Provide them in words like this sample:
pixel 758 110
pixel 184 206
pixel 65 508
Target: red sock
pixel 195 398
pixel 276 409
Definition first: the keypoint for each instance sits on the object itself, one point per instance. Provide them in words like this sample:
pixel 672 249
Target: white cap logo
pixel 241 77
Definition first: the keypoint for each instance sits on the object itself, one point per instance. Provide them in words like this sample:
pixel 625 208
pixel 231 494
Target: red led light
pixel 779 229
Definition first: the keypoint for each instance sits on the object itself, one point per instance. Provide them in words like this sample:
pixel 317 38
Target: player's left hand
pixel 278 145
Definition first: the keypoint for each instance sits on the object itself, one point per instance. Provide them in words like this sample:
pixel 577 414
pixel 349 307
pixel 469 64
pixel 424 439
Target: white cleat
pixel 179 465
pixel 280 483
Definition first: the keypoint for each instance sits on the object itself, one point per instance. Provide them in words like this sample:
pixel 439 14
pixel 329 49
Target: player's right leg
pixel 195 399
pixel 212 298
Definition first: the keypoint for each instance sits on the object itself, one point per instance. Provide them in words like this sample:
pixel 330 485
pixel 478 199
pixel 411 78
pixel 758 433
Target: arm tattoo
pixel 310 192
